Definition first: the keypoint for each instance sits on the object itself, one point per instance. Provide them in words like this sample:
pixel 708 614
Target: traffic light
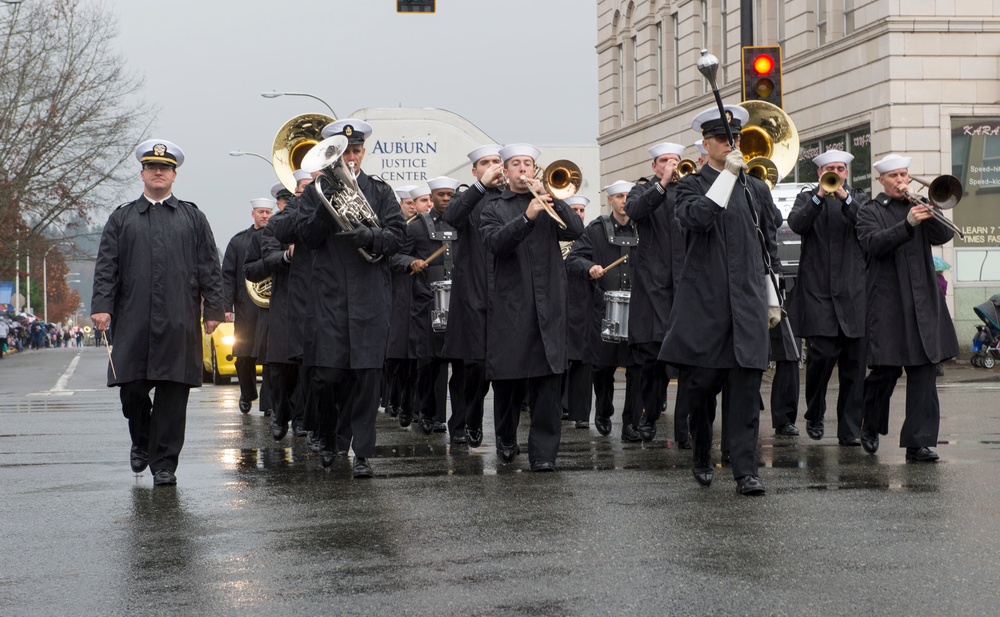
pixel 762 74
pixel 414 6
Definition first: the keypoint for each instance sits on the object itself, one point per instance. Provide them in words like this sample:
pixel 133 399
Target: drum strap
pixel 441 232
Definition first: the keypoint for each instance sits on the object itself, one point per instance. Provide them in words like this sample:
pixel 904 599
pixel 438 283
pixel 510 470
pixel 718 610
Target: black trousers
pixel 848 354
pixel 577 382
pixel 923 410
pixel 348 397
pixel 156 424
pixel 653 381
pixel 698 388
pixel 434 387
pixel 246 374
pixel 543 395
pixel 402 377
pixel 604 393
pixel 476 387
pixel 284 379
pixel 785 393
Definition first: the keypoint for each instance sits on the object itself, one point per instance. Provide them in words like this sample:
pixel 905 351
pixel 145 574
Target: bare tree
pixel 69 118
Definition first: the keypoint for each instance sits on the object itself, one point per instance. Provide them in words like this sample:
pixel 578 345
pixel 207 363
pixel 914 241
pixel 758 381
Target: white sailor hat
pixel 833 156
pixel 700 144
pixel 708 122
pixel 419 191
pixel 262 202
pixel 513 150
pixel 356 131
pixel 279 191
pixel 618 186
pixel 666 148
pixel 577 200
pixel 301 174
pixel 403 192
pixel 482 151
pixel 443 182
pixel 892 162
pixel 159 151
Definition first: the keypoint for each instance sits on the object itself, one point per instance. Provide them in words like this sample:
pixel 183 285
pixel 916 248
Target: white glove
pixel 912 220
pixel 773 316
pixel 735 163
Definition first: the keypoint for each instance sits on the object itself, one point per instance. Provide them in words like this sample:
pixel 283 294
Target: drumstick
pixel 106 345
pixel 444 247
pixel 616 262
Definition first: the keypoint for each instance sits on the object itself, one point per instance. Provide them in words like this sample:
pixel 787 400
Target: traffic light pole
pixel 746 23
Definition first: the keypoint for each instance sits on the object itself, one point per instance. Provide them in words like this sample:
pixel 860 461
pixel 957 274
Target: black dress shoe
pixel 440 427
pixel 267 412
pixel 327 456
pixel 164 477
pixel 726 459
pixel 507 452
pixel 474 437
pixel 459 439
pixel 525 408
pixel 850 441
pixel 298 431
pixel 750 485
pixel 543 466
pixel 647 431
pixel 869 440
pixel 362 468
pixel 629 433
pixel 683 445
pixel 426 426
pixel 405 418
pixel 815 429
pixel 392 411
pixel 138 459
pixel 244 406
pixel 582 424
pixel 788 430
pixel 565 415
pixel 278 428
pixel 314 443
pixel 603 425
pixel 921 455
pixel 703 475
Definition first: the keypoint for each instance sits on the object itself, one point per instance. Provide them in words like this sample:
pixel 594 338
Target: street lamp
pixel 274 95
pixel 45 278
pixel 242 153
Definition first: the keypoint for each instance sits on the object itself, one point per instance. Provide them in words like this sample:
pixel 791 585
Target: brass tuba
pixel 769 142
pixel 349 207
pixel 293 141
pixel 260 292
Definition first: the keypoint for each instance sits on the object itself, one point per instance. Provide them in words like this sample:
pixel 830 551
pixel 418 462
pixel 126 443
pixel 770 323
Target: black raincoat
pixel 286 337
pixel 236 297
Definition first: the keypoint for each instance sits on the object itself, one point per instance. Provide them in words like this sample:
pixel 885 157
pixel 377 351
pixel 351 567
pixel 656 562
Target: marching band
pixel 504 284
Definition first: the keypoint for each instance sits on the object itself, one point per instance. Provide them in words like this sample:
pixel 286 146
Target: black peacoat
pixel 287 345
pixel 236 297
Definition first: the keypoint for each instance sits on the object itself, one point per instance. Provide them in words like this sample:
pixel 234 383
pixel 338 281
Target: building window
pixel 779 23
pixel 975 156
pixel 635 79
pixel 621 85
pixel 677 58
pixel 849 10
pixel 821 22
pixel 704 37
pixel 857 141
pixel 724 43
pixel 660 102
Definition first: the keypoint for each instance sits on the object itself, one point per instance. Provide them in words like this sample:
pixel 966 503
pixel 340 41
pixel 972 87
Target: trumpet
pixel 684 168
pixel 831 182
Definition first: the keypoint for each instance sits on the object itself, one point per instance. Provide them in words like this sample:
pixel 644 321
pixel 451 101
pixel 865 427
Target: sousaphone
pixel 294 139
pixel 769 142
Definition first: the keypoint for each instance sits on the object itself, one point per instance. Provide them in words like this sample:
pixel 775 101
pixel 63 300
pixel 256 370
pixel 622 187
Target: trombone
pixel 944 193
pixel 561 179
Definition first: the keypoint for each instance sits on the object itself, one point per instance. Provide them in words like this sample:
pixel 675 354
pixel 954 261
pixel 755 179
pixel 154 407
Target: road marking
pixel 60 388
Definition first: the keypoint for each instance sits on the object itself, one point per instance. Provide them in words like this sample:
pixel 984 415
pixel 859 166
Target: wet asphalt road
pixel 257 527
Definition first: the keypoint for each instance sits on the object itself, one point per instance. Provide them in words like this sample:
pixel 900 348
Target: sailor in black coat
pixel 827 304
pixel 717 333
pixel 349 299
pixel 657 263
pixel 908 323
pixel 606 240
pixel 578 380
pixel 426 235
pixel 157 275
pixel 526 320
pixel 399 368
pixel 241 310
pixel 465 338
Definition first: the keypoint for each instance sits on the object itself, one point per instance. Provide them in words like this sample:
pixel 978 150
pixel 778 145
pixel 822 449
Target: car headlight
pixel 229 340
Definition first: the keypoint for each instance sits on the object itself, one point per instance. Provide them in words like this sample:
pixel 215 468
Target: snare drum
pixel 442 299
pixel 614 326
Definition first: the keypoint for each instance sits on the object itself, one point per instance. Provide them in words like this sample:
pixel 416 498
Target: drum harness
pixel 625 275
pixel 440 272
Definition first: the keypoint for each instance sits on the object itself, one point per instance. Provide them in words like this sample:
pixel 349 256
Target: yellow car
pixel 218 363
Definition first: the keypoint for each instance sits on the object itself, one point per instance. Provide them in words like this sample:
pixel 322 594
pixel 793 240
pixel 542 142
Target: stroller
pixel 986 342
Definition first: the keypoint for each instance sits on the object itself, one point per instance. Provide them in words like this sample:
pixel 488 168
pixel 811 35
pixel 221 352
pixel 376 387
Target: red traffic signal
pixel 762 74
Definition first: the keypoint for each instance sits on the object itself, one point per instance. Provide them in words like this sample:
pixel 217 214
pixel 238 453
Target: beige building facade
pixel 914 77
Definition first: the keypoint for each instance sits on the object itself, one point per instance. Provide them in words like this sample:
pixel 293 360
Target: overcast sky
pixel 520 70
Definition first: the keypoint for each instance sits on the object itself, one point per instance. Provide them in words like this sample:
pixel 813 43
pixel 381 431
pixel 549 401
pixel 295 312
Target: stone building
pixel 918 78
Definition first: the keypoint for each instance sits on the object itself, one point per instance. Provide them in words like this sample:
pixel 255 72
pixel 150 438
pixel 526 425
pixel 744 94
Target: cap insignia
pixel 729 116
pixel 159 150
pixel 348 130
